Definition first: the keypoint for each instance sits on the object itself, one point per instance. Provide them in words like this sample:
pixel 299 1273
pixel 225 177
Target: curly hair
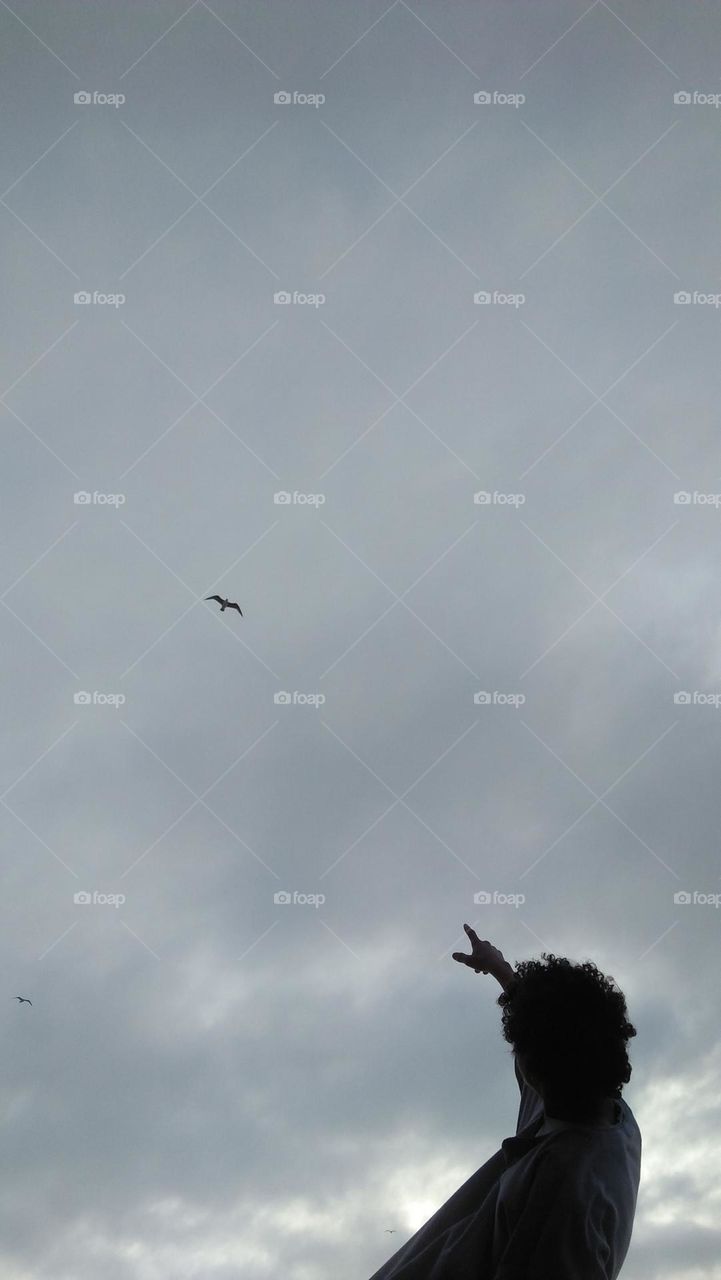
pixel 569 1022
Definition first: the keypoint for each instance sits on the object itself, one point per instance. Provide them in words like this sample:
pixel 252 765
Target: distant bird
pixel 388 1231
pixel 226 604
pixel 22 999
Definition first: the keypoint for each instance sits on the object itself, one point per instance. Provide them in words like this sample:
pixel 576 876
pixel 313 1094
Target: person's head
pixel 568 1026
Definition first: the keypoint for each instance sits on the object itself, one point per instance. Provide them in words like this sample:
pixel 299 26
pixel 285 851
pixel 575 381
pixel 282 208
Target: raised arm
pixel 485 958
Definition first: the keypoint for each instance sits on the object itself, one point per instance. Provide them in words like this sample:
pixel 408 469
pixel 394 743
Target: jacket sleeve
pixel 531 1104
pixel 517 1070
pixel 556 1233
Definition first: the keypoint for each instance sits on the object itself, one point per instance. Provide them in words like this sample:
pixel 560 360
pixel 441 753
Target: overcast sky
pixel 428 696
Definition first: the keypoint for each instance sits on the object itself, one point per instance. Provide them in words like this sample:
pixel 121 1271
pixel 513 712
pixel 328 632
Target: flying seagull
pixel 388 1231
pixel 22 999
pixel 226 604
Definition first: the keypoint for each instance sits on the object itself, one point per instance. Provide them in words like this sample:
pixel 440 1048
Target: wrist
pixel 502 972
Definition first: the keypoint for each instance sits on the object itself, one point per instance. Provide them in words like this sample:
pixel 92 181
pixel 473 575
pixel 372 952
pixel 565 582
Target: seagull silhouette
pixel 226 604
pixel 22 999
pixel 388 1231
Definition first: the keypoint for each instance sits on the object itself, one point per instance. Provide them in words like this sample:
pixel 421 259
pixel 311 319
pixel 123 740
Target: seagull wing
pixel 218 598
pixel 236 606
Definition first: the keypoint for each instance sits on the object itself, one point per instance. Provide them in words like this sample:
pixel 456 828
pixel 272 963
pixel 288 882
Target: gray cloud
pixel 210 1083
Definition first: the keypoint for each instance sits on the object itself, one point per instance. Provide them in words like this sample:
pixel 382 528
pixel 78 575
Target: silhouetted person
pixel 557 1201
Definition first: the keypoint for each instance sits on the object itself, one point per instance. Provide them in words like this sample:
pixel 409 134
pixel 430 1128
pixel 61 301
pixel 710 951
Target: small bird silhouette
pixel 226 604
pixel 388 1231
pixel 22 999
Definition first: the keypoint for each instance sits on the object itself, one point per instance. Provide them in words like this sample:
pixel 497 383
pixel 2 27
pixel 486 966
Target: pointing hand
pixel 484 957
